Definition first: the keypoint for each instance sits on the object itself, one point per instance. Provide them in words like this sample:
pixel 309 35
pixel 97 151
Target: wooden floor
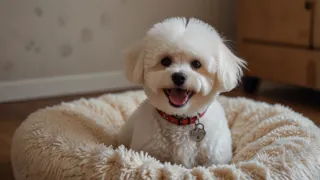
pixel 304 101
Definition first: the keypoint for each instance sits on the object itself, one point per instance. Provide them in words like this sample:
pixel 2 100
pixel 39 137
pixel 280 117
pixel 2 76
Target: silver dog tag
pixel 198 133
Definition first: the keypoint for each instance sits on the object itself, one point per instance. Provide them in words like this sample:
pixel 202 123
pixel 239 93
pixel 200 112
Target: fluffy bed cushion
pixel 76 140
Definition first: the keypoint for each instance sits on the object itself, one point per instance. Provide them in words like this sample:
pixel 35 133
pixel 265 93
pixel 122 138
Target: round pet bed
pixel 76 140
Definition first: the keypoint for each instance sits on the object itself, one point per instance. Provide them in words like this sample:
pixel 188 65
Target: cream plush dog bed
pixel 76 140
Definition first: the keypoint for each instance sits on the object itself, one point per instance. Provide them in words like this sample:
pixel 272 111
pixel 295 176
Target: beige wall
pixel 55 38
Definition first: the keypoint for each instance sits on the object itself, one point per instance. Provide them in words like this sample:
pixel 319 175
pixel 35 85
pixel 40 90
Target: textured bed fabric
pixel 76 140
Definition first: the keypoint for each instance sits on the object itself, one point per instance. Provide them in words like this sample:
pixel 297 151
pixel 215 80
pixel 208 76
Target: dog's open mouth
pixel 178 97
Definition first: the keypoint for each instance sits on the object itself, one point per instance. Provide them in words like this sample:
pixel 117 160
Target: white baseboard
pixel 63 85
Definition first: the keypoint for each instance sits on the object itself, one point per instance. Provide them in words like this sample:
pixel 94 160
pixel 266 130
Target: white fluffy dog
pixel 183 65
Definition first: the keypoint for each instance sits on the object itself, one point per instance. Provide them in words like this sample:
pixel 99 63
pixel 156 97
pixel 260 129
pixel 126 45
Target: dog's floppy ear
pixel 229 69
pixel 134 63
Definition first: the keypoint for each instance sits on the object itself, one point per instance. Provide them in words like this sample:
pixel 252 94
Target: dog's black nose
pixel 179 78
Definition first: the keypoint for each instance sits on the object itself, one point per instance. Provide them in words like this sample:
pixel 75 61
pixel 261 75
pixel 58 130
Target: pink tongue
pixel 178 97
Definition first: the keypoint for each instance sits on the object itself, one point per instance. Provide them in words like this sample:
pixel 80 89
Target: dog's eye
pixel 196 64
pixel 166 61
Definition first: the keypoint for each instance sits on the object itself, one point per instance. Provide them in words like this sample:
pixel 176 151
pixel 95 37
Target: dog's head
pixel 183 65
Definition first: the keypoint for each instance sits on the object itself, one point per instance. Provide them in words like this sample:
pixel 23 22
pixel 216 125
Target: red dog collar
pixel 179 120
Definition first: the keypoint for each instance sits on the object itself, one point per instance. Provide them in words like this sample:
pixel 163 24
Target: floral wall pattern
pixel 64 37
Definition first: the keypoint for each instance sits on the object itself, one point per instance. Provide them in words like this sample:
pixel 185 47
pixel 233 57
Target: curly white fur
pixel 183 41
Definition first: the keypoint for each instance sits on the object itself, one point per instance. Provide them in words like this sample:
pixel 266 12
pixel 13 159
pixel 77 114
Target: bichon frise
pixel 183 65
